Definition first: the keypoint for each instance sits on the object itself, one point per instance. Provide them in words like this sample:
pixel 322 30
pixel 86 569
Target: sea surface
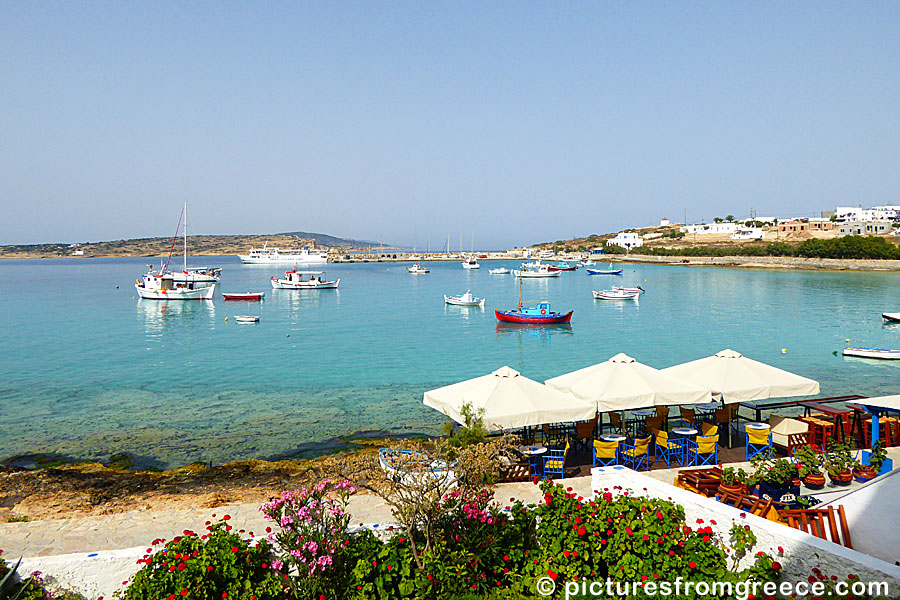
pixel 87 369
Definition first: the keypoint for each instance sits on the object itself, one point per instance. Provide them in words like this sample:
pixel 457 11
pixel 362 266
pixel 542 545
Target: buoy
pixel 847 340
pixel 784 350
pixel 226 319
pixel 834 352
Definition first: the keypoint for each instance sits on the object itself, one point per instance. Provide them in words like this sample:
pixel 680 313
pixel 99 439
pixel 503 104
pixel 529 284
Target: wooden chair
pixel 636 455
pixel 605 453
pixel 820 431
pixel 709 429
pixel 703 451
pixel 584 433
pixel 824 523
pixel 701 481
pixel 667 450
pixel 653 423
pixel 616 423
pixel 760 507
pixel 687 416
pixel 555 462
pixel 663 413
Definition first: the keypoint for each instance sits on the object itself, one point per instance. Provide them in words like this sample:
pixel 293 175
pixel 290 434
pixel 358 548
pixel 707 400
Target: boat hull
pixel 282 284
pixel 176 294
pixel 512 316
pixel 246 319
pixel 457 302
pixel 604 271
pixel 876 353
pixel 536 274
pixel 891 317
pixel 563 268
pixel 616 295
pixel 250 296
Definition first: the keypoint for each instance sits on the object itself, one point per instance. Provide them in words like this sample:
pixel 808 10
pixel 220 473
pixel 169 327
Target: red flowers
pixel 226 518
pixel 548 498
pixel 581 530
pixel 692 565
pixel 235 549
pixel 659 516
pixel 552 574
pixel 776 566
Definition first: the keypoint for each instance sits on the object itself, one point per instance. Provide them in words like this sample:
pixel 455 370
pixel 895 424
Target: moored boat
pixel 535 270
pixel 417 268
pixel 609 271
pixel 252 296
pixel 877 353
pixel 198 275
pixel 891 317
pixel 615 295
pixel 466 299
pixel 246 318
pixel 470 263
pixel 563 267
pixel 303 280
pixel 540 314
pixel 277 256
pixel 499 271
pixel 637 289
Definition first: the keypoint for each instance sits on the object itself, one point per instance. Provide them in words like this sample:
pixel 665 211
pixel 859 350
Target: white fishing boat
pixel 535 270
pixel 877 353
pixel 470 263
pixel 304 280
pixel 891 317
pixel 198 275
pixel 499 271
pixel 277 256
pixel 162 285
pixel 615 295
pixel 246 318
pixel 417 268
pixel 466 299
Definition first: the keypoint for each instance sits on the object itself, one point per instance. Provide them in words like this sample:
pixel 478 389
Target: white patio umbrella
pixel 622 383
pixel 509 401
pixel 740 379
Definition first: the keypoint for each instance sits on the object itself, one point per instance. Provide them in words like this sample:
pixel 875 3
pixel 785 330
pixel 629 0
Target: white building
pixel 750 233
pixel 664 222
pixel 627 240
pixel 711 228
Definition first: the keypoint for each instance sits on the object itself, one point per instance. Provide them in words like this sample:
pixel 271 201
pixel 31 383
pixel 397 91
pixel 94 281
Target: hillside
pixel 208 245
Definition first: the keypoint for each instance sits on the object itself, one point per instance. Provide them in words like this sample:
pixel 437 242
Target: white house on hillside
pixel 711 228
pixel 664 222
pixel 749 233
pixel 627 240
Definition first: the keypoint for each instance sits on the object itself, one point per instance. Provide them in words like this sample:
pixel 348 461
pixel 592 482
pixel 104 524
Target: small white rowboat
pixel 246 318
pixel 879 353
pixel 615 295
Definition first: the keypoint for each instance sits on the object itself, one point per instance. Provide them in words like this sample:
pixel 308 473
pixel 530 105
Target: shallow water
pixel 87 369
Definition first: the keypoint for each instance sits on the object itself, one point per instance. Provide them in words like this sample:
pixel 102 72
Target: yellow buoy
pixel 784 350
pixel 847 340
pixel 226 319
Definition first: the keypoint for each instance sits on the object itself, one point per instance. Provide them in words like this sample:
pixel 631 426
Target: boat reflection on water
pixel 159 315
pixel 527 331
pixel 872 361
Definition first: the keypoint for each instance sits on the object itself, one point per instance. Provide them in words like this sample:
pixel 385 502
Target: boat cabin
pixel 537 308
pixel 295 276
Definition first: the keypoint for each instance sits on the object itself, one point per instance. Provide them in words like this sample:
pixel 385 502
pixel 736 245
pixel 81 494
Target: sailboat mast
pixel 520 294
pixel 185 237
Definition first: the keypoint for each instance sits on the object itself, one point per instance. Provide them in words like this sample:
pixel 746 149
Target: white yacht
pixel 277 256
pixel 470 263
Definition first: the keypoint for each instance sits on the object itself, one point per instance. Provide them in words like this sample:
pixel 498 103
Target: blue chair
pixel 704 451
pixel 605 453
pixel 555 462
pixel 668 450
pixel 759 443
pixel 636 455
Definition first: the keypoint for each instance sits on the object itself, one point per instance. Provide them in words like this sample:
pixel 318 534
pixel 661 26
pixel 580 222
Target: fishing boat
pixel 417 268
pixel 615 295
pixel 563 267
pixel 246 318
pixel 891 317
pixel 470 263
pixel 535 270
pixel 637 289
pixel 537 314
pixel 466 299
pixel 161 284
pixel 499 271
pixel 199 274
pixel 303 280
pixel 250 296
pixel 878 353
pixel 609 271
pixel 277 256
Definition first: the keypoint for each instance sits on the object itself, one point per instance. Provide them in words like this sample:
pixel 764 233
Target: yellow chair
pixel 709 429
pixel 606 453
pixel 667 450
pixel 759 441
pixel 705 451
pixel 637 454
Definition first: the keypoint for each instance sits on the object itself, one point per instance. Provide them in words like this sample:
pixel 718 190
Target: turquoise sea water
pixel 87 369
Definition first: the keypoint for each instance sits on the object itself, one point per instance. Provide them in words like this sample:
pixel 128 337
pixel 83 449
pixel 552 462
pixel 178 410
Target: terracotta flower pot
pixel 816 481
pixel 864 475
pixel 842 478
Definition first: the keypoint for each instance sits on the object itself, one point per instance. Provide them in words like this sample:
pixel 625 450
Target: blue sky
pixel 517 122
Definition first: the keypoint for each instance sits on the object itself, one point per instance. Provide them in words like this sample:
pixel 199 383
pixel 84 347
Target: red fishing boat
pixel 563 267
pixel 251 296
pixel 538 314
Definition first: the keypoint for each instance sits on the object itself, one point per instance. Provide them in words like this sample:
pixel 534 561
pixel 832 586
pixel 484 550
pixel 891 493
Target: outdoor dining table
pixel 837 414
pixel 534 454
pixel 642 414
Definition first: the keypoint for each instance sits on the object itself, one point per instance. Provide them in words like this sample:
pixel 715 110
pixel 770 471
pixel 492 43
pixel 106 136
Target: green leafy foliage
pixel 847 247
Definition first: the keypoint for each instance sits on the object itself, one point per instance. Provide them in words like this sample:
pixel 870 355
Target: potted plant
pixel 877 458
pixel 733 481
pixel 776 479
pixel 810 459
pixel 839 463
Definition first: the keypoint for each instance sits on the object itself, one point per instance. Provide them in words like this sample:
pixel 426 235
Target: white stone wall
pixel 802 551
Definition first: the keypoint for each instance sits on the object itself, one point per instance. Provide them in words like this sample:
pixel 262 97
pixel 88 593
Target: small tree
pixel 717 220
pixel 730 218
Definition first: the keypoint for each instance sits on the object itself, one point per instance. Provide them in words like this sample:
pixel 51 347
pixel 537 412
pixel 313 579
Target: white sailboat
pixel 162 285
pixel 470 262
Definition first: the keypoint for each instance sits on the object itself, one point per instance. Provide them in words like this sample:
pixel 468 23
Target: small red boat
pixel 251 296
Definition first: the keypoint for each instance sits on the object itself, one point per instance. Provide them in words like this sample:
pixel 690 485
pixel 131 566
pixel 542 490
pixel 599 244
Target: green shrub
pixel 218 564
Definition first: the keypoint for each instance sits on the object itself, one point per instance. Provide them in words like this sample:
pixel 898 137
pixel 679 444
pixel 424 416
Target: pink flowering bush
pixel 312 532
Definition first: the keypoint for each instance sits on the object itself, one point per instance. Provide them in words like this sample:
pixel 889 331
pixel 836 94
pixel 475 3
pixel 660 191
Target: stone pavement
pixel 139 528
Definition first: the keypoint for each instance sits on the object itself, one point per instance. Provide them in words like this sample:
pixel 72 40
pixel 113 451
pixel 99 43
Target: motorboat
pixel 250 296
pixel 246 318
pixel 609 271
pixel 877 353
pixel 304 280
pixel 615 295
pixel 563 267
pixel 538 314
pixel 277 256
pixel 499 271
pixel 466 299
pixel 471 263
pixel 637 289
pixel 417 268
pixel 535 270
pixel 891 317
